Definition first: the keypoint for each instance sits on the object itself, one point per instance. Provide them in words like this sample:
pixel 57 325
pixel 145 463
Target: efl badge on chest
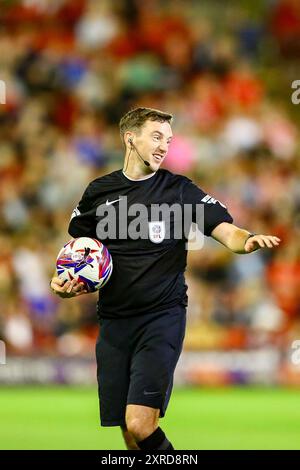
pixel 157 231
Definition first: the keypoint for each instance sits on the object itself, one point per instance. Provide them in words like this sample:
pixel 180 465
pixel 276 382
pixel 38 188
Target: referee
pixel 142 309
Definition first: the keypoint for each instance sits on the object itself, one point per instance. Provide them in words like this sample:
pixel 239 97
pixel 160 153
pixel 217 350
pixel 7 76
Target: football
pixel 87 260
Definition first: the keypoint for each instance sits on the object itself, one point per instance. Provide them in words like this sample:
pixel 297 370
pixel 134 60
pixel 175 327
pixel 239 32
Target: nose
pixel 163 147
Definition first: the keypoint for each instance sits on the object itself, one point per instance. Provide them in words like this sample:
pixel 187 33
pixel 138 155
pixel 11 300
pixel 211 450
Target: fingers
pixel 262 241
pixel 78 287
pixel 58 280
pixel 270 240
pixel 57 286
pixel 68 288
pixel 74 286
pixel 64 286
pixel 84 291
pixel 267 242
pixel 259 241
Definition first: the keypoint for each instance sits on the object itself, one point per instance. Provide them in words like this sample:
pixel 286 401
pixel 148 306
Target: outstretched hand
pixel 67 289
pixel 256 242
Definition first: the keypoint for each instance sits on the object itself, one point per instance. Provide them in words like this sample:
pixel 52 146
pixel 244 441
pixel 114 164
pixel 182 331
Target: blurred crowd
pixel 72 68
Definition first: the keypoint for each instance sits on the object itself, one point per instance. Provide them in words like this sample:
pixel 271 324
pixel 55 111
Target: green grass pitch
pixel 197 418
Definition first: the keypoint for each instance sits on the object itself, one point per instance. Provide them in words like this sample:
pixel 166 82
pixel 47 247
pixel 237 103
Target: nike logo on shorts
pixel 151 393
pixel 108 203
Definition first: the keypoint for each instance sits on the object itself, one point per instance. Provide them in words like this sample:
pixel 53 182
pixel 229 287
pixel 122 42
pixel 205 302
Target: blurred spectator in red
pixel 285 25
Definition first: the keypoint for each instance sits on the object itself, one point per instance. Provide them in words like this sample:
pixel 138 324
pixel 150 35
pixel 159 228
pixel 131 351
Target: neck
pixel 136 169
pixel 138 175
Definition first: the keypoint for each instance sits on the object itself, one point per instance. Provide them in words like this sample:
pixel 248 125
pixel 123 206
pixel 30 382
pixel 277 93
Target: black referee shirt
pixel 148 273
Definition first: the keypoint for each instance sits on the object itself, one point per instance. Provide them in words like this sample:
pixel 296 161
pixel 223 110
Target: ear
pixel 128 138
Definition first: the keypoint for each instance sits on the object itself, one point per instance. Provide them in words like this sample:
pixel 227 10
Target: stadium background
pixel 224 69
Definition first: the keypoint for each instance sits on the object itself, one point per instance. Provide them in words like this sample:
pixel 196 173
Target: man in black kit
pixel 142 308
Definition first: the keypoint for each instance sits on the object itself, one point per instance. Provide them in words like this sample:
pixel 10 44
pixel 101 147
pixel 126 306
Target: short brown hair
pixel 135 118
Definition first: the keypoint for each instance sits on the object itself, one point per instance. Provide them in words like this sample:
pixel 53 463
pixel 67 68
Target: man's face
pixel 153 142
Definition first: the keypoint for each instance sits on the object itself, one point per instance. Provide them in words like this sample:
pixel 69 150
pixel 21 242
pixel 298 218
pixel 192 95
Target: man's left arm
pixel 241 241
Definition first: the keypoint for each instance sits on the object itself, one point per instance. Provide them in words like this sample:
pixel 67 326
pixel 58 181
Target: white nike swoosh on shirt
pixel 108 203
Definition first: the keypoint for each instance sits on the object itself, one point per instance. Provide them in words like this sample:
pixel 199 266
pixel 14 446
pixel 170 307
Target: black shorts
pixel 136 359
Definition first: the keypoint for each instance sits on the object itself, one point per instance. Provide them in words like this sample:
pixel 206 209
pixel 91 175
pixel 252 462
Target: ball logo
pixel 84 258
pixel 157 231
pixel 77 257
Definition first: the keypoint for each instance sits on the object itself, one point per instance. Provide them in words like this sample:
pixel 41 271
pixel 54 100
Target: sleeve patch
pixel 211 200
pixel 75 213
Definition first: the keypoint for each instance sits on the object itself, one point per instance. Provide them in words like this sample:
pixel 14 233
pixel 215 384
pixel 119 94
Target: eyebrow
pixel 160 133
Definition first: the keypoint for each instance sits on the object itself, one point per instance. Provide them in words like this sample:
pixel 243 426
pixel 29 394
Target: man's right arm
pixel 82 224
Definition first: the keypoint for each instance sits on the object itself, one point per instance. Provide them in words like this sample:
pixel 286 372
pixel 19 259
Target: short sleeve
pixel 83 220
pixel 215 212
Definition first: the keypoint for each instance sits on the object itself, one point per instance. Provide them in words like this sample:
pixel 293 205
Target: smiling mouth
pixel 157 157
